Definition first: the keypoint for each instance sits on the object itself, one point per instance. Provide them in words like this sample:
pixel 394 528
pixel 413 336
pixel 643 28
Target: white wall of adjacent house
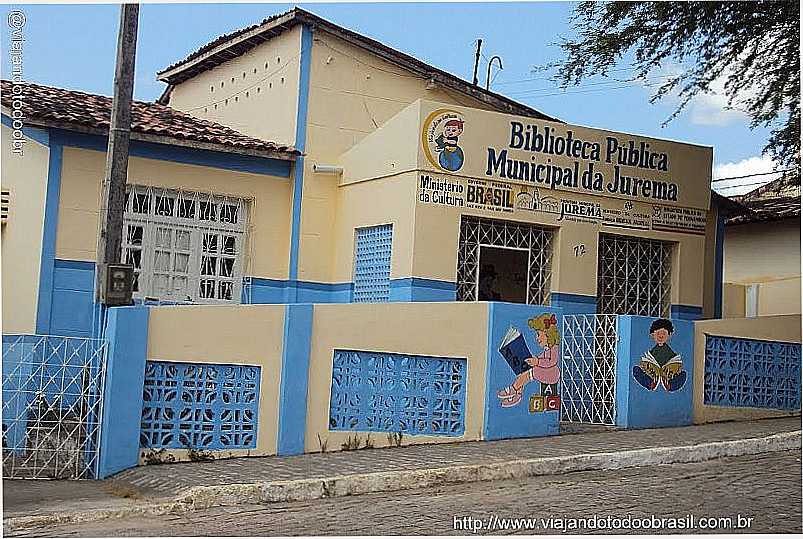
pixel 25 178
pixel 761 269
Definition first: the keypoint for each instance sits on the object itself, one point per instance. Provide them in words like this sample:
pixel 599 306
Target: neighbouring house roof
pixel 237 43
pixel 729 207
pixel 90 113
pixel 779 199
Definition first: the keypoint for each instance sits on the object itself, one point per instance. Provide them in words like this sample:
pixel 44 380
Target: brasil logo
pixel 440 138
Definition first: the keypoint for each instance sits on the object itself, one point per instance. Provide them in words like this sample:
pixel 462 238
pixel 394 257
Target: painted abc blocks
pixel 544 403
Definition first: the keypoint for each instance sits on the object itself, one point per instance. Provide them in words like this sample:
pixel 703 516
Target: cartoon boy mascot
pixel 451 155
pixel 660 364
pixel 543 368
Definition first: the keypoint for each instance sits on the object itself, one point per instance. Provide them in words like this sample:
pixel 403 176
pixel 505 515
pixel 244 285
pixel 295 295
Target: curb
pixel 204 497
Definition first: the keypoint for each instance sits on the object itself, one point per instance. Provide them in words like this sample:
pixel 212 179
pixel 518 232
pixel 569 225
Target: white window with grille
pixel 633 276
pixel 185 246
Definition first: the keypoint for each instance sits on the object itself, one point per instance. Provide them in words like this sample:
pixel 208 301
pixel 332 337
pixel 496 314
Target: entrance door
pixel 519 255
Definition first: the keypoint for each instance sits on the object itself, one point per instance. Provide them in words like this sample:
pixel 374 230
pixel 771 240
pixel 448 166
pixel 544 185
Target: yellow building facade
pixel 358 112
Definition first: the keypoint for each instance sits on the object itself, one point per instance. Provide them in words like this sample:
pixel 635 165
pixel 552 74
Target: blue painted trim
pixel 83 265
pixel 39 135
pixel 574 298
pixel 490 399
pixel 423 283
pixel 328 287
pixel 178 154
pixel 47 264
pixel 718 261
pixel 127 333
pixel 419 289
pixel 294 379
pixel 286 291
pixel 574 303
pixel 623 374
pixel 686 312
pixel 301 143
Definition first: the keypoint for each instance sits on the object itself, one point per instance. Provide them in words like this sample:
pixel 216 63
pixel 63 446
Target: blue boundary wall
pixel 127 333
pixel 531 416
pixel 637 406
pixel 294 379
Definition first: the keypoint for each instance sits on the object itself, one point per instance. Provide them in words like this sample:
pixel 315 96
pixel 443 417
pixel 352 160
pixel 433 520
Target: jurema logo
pixel 440 138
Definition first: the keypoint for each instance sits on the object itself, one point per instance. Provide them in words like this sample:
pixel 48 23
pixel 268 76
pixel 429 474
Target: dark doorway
pixel 502 274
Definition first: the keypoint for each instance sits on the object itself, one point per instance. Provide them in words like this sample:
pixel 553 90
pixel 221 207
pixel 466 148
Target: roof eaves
pixel 249 38
pixel 183 70
pixel 289 155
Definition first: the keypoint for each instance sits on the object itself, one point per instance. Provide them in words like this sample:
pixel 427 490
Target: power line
pixel 630 83
pixel 532 79
pixel 753 175
pixel 605 89
pixel 751 184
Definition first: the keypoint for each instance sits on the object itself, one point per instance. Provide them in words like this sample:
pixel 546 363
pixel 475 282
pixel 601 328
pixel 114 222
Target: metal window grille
pixel 5 205
pixel 588 373
pixel 185 246
pixel 199 406
pixel 374 391
pixel 476 232
pixel 751 373
pixel 633 276
pixel 372 253
pixel 52 406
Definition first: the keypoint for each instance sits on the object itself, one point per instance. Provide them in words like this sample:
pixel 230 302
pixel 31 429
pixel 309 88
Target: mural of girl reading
pixel 542 368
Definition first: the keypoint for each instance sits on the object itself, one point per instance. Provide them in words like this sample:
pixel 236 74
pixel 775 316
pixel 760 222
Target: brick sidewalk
pixel 166 480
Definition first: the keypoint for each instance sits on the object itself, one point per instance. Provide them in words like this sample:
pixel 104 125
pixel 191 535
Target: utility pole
pixel 113 191
pixel 477 62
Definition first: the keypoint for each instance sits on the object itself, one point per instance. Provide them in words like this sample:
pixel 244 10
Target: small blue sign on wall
pixel 523 372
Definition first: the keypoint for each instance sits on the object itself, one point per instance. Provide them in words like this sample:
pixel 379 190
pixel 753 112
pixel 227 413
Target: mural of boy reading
pixel 543 368
pixel 660 364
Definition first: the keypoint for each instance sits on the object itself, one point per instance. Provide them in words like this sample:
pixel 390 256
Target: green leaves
pixel 753 46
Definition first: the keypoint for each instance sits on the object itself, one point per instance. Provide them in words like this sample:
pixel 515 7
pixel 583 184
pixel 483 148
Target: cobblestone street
pixel 765 487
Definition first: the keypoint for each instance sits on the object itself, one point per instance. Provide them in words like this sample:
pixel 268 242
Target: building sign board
pixel 519 200
pixel 563 159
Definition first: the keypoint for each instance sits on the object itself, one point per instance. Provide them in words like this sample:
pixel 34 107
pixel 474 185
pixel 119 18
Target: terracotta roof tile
pixel 49 105
pixel 776 200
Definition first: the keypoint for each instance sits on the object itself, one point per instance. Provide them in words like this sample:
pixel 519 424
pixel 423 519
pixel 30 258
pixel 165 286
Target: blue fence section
pixel 372 251
pixel 751 373
pixel 373 391
pixel 199 406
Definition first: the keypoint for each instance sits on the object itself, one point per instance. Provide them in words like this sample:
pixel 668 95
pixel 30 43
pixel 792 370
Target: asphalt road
pixel 764 488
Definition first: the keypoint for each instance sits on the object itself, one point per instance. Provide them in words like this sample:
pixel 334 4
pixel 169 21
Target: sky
pixel 73 46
